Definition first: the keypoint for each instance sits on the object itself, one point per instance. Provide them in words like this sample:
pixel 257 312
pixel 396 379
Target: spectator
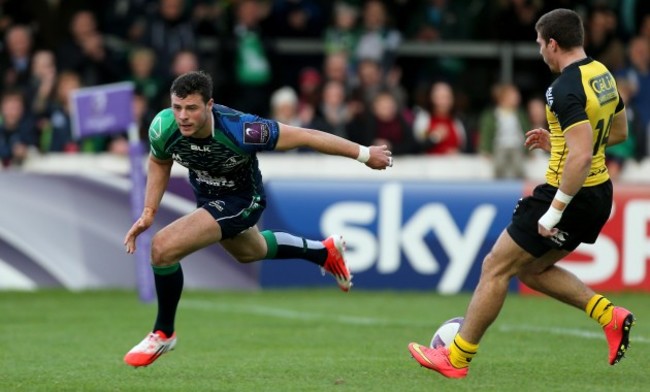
pixel 601 42
pixel 210 17
pixel 386 124
pixel 86 53
pixel 617 155
pixel 536 110
pixel 309 87
pixel 122 19
pixel 296 18
pixel 284 107
pixel 334 114
pixel 168 31
pixel 437 127
pixel 370 82
pixel 436 20
pixel 250 77
pixel 40 91
pixel 141 65
pixel 336 67
pixel 183 61
pixel 341 35
pixel 15 63
pixel 56 132
pixel 17 131
pixel 377 39
pixel 502 132
pixel 637 74
pixel 516 20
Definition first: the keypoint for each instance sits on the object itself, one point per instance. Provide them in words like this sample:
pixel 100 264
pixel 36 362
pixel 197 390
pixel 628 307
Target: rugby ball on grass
pixel 445 334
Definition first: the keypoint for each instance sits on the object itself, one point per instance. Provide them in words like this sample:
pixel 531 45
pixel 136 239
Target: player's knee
pixel 497 266
pixel 245 258
pixel 160 253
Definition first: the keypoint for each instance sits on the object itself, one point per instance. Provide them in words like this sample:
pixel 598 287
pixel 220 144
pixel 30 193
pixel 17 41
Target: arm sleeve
pixel 568 101
pixel 249 132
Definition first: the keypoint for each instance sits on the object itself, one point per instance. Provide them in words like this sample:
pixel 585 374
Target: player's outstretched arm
pixel 375 157
pixel 157 179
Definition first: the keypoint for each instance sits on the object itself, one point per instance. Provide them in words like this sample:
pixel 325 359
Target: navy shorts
pixel 581 221
pixel 234 213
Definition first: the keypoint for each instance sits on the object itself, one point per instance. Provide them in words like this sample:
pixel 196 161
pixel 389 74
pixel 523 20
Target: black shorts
pixel 581 221
pixel 234 213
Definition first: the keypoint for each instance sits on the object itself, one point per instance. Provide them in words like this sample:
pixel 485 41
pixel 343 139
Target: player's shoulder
pixel 225 112
pixel 162 125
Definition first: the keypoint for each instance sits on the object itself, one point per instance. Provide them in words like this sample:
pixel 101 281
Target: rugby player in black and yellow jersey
pixel 585 113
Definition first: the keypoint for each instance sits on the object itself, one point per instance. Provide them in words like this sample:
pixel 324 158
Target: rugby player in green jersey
pixel 218 145
pixel 585 113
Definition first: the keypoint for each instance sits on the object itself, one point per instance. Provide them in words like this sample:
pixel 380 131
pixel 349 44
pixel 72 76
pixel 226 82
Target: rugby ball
pixel 445 334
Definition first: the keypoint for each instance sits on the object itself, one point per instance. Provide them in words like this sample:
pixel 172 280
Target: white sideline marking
pixel 297 314
pixel 579 333
pixel 289 314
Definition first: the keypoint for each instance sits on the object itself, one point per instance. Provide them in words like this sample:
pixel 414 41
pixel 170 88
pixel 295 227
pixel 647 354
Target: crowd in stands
pixel 358 87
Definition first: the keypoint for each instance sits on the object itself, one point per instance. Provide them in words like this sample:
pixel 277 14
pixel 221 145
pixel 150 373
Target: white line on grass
pixel 298 314
pixel 289 314
pixel 579 333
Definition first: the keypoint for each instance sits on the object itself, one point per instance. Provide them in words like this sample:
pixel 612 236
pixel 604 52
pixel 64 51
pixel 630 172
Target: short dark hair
pixel 194 82
pixel 564 26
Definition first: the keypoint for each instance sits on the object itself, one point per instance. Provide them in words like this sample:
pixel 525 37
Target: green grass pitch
pixel 306 340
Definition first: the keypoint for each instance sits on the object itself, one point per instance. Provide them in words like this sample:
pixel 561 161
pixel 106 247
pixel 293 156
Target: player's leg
pixel 177 240
pixel 558 283
pixel 502 263
pixel 253 245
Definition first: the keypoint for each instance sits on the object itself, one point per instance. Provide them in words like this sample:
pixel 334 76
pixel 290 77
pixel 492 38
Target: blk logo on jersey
pixel 256 133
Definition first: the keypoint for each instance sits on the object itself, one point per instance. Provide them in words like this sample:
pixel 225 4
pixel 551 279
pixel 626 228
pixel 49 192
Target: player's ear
pixel 210 103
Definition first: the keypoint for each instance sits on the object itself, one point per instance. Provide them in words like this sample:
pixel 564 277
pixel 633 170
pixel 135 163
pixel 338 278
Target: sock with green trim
pixel 169 286
pixel 282 245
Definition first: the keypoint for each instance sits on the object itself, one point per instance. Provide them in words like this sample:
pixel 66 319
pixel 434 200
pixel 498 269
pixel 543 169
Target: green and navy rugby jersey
pixel 225 163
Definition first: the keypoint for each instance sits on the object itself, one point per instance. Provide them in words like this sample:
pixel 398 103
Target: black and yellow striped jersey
pixel 585 91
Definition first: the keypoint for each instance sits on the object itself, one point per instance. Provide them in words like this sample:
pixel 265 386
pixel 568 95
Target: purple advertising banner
pixel 102 109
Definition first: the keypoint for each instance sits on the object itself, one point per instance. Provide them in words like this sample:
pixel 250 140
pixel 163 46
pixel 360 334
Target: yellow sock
pixel 461 352
pixel 600 309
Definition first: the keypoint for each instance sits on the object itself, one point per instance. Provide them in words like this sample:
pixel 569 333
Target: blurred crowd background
pixel 330 65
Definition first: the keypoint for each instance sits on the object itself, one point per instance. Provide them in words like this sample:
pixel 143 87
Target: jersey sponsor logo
pixel 256 133
pixel 195 147
pixel 204 177
pixel 549 97
pixel 604 87
pixel 233 162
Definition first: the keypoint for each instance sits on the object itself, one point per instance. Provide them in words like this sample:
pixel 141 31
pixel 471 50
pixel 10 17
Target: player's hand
pixel 538 138
pixel 544 232
pixel 380 157
pixel 143 223
pixel 546 224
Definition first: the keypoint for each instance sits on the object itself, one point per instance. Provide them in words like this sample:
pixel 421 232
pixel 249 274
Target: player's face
pixel 192 115
pixel 546 50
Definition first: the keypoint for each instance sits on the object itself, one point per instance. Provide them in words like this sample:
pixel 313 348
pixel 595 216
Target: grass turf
pixel 305 340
